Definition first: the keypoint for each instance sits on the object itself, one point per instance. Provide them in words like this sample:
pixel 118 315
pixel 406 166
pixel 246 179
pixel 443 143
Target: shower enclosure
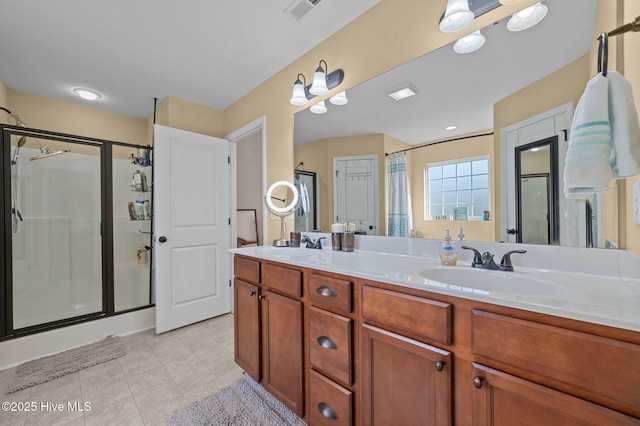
pixel 72 251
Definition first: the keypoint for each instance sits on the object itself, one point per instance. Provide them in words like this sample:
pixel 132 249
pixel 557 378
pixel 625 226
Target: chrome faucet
pixel 485 260
pixel 311 243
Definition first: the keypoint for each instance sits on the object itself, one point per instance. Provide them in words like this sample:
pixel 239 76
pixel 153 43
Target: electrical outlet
pixel 636 202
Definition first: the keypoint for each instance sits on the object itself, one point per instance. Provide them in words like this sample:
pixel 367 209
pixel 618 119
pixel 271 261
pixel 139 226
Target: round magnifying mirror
pixel 281 200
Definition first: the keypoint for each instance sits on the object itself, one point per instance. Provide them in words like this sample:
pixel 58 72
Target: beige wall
pixel 181 114
pixel 57 116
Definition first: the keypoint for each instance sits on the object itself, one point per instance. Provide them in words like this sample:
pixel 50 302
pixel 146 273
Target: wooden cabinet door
pixel 501 399
pixel 282 335
pixel 247 327
pixel 405 382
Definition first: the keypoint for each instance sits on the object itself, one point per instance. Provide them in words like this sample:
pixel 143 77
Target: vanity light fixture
pixel 456 16
pixel 339 99
pixel 319 85
pixel 527 17
pixel 322 83
pixel 319 108
pixel 403 91
pixel 299 96
pixel 469 43
pixel 90 95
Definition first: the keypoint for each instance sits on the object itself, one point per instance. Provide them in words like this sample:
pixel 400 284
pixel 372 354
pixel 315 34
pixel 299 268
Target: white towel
pixel 625 130
pixel 587 166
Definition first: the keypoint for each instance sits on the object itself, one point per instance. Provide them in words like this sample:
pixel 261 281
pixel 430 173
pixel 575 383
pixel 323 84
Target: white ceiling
pixel 458 89
pixel 210 52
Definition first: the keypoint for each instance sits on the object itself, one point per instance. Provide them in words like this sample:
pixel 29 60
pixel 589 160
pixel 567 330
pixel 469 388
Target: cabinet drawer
pixel 410 315
pixel 331 292
pixel 603 370
pixel 246 269
pixel 330 344
pixel 285 280
pixel 331 404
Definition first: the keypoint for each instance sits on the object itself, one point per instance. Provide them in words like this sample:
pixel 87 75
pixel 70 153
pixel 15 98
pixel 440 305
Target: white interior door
pixel 191 227
pixel 355 192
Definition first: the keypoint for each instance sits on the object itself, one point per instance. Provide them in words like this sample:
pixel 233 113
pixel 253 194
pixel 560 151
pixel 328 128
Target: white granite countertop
pixel 607 294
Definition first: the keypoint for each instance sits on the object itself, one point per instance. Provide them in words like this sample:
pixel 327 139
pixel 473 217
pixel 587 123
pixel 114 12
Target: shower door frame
pixel 106 230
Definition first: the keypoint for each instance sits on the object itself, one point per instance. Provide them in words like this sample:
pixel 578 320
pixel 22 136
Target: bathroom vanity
pixel 394 338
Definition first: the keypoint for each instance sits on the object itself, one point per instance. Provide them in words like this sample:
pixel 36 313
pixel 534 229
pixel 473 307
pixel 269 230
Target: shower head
pixel 46 152
pixel 21 143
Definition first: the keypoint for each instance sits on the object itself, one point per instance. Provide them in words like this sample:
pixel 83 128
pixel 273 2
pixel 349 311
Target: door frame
pixel 554 122
pixel 553 181
pixel 235 137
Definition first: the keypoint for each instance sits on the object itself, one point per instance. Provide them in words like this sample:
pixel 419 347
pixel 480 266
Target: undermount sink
pixel 494 281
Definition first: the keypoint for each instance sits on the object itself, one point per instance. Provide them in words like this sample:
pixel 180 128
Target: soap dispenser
pixel 448 254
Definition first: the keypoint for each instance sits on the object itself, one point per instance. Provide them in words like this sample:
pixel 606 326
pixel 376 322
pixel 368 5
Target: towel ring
pixel 603 54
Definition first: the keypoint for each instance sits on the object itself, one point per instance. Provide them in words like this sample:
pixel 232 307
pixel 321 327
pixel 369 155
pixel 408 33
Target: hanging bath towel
pixel 625 131
pixel 587 166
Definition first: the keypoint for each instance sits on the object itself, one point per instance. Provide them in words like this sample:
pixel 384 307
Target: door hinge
pixel 228 160
pixel 229 221
pixel 336 173
pixel 229 283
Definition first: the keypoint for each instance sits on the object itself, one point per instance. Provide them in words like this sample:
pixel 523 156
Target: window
pixel 463 183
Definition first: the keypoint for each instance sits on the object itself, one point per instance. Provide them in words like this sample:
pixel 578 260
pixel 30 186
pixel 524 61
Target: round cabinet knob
pixel 512 231
pixel 370 226
pixel 252 293
pixel 162 239
pixel 477 382
pixel 440 365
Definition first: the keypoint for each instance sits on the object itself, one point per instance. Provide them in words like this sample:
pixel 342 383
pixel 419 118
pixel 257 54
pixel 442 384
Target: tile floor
pixel 159 374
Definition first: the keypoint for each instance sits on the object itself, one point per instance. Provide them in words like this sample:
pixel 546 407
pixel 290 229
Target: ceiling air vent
pixel 299 8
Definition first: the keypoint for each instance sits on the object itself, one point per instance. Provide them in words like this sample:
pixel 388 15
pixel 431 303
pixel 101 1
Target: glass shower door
pixel 56 230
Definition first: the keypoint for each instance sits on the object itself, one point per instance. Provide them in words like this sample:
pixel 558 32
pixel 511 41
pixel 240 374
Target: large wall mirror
pixel 452 90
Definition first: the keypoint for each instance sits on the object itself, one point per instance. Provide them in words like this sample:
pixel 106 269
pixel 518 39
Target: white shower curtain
pixel 399 220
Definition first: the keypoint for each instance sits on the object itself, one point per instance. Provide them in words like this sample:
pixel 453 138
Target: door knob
pixel 162 239
pixel 370 226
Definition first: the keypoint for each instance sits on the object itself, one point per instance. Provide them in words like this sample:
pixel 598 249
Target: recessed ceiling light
pixel 403 91
pixel 87 94
pixel 451 127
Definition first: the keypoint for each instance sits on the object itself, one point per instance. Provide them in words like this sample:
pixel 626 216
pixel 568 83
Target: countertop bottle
pixel 448 254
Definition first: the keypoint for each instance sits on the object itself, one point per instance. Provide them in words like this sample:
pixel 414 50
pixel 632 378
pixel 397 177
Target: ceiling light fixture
pixel 456 16
pixel 339 99
pixel 403 91
pixel 451 127
pixel 322 83
pixel 87 94
pixel 469 43
pixel 527 17
pixel 319 108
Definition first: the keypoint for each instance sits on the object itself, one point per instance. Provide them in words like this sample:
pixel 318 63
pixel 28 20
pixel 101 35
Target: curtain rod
pixel 633 26
pixel 439 142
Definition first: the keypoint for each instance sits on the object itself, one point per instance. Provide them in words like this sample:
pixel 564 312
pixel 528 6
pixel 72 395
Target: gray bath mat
pixel 50 367
pixel 243 403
